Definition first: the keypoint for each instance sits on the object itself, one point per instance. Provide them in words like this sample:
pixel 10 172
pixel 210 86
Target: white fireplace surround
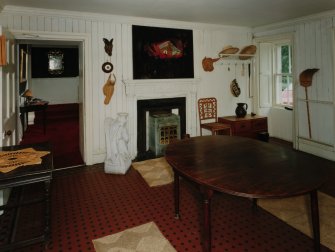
pixel 160 89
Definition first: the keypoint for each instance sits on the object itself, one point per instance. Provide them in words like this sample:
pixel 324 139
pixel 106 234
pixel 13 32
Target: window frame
pixel 265 76
pixel 276 89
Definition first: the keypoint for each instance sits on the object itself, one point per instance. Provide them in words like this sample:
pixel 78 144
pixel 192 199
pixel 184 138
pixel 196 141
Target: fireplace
pixel 165 105
pixel 180 95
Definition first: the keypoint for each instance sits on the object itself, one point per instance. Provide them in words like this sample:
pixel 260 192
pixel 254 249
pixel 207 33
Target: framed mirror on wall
pixel 56 63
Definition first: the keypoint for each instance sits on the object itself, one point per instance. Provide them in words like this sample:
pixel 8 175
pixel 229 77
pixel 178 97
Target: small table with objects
pixel 248 126
pixel 33 107
pixel 22 166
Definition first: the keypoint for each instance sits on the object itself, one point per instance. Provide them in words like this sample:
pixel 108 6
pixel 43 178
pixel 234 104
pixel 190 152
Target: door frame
pixel 86 140
pixel 8 100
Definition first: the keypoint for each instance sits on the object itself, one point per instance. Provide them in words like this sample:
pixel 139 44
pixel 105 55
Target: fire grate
pixel 163 128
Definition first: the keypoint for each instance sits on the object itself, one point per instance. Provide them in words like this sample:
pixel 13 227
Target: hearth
pixel 165 105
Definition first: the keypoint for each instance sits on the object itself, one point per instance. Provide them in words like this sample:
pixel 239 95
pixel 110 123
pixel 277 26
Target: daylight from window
pixel 283 75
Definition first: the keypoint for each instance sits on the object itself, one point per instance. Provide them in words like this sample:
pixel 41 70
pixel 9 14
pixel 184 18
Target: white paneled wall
pixel 208 41
pixel 52 89
pixel 280 123
pixel 313 48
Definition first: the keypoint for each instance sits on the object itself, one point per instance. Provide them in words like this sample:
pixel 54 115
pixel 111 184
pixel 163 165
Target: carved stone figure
pixel 118 159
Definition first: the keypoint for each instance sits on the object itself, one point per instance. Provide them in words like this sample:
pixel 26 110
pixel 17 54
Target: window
pixel 275 80
pixel 283 86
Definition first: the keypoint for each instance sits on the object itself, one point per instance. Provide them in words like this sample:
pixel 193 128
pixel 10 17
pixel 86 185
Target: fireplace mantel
pixel 157 89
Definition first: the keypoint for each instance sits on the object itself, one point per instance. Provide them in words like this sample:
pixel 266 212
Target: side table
pixel 23 176
pixel 248 126
pixel 33 107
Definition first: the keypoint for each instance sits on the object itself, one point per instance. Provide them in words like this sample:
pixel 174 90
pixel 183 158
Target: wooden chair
pixel 207 108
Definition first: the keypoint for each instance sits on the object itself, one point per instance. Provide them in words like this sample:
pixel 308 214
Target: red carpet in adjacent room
pixel 62 131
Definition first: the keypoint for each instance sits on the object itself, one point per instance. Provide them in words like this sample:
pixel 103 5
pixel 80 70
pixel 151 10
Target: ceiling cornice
pixel 318 16
pixel 10 9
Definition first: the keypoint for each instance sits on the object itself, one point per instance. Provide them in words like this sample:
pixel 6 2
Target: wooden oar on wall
pixel 305 79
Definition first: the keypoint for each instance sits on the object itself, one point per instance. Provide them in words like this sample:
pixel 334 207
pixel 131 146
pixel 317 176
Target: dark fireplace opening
pixel 154 106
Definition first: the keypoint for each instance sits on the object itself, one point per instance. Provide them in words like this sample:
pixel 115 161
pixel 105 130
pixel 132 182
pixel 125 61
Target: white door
pixel 8 93
pixel 81 95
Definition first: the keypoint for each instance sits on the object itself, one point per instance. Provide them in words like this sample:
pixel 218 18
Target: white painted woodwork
pixel 280 123
pixel 8 98
pixel 313 48
pixel 84 42
pixel 265 75
pixel 81 97
pixel 8 94
pixel 208 41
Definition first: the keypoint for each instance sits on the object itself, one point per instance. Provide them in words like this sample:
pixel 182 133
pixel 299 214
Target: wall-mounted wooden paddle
pixel 305 79
pixel 249 74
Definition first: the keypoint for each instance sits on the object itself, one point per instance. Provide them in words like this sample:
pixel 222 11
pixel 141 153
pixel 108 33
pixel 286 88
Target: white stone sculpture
pixel 118 159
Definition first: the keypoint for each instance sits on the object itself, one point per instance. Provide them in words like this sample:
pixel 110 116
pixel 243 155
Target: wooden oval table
pixel 247 168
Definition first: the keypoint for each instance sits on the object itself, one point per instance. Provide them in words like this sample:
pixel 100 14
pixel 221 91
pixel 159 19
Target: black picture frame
pixel 162 53
pixel 65 58
pixel 23 66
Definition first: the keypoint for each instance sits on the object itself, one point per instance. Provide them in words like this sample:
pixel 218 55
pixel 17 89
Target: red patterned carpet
pixel 89 204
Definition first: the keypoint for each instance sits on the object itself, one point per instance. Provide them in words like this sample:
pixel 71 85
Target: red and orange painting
pixel 162 53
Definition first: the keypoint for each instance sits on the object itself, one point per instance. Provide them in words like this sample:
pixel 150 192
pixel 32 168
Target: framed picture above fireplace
pixel 162 53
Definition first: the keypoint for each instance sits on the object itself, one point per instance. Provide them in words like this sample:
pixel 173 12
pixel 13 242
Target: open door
pixel 81 101
pixel 8 90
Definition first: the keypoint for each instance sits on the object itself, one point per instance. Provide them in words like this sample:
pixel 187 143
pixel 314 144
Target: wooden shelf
pixel 226 55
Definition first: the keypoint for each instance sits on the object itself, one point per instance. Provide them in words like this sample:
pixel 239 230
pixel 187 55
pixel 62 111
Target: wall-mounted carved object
pixel 228 50
pixel 234 88
pixel 305 79
pixel 108 46
pixel 247 52
pixel 108 89
pixel 3 51
pixel 207 64
pixel 107 67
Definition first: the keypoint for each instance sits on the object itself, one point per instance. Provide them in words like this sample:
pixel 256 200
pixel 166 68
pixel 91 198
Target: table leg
pixel 315 220
pixel 23 122
pixel 47 216
pixel 207 196
pixel 44 120
pixel 26 115
pixel 254 204
pixel 176 195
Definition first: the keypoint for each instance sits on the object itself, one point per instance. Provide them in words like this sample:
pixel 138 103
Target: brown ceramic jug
pixel 241 109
